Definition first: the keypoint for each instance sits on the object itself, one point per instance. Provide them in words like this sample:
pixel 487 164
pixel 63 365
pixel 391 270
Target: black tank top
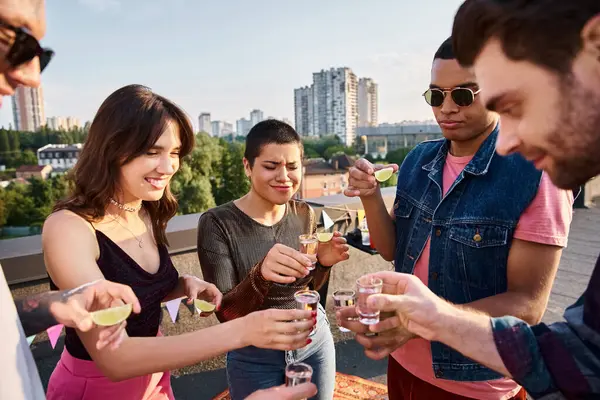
pixel 150 289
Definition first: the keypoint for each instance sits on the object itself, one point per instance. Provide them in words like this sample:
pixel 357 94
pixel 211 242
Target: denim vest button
pixel 438 232
pixel 477 237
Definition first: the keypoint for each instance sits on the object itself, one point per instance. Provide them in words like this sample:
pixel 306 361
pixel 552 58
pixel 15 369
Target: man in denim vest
pixel 482 231
pixel 538 63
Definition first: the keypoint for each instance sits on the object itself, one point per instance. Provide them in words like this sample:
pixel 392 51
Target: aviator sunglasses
pixel 25 48
pixel 462 97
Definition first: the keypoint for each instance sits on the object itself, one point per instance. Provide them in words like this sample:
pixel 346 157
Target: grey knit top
pixel 231 248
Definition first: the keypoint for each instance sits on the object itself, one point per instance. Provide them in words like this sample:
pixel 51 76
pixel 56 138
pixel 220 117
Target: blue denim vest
pixel 471 230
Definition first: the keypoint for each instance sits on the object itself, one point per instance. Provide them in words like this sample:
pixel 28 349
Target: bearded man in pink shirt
pixel 482 231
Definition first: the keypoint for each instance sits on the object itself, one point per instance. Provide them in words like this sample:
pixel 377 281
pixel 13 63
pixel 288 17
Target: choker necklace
pixel 124 207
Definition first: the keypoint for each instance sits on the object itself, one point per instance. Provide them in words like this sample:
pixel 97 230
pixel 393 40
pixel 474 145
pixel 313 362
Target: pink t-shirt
pixel 547 221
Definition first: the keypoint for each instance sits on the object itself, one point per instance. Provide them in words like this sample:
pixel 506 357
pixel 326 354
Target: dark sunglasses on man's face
pixel 462 97
pixel 25 48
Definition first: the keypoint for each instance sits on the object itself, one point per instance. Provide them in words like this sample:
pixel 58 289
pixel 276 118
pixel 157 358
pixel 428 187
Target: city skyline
pixel 220 70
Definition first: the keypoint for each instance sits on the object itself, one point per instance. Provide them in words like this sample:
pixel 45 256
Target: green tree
pixel 15 143
pixel 192 190
pixel 333 151
pixel 60 187
pixel 28 157
pixel 233 183
pixel 3 209
pixel 206 156
pixel 310 153
pixel 397 156
pixel 37 139
pixel 40 191
pixel 4 145
pixel 20 208
pixel 192 183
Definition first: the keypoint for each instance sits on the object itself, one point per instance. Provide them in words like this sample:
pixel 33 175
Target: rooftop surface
pixel 207 379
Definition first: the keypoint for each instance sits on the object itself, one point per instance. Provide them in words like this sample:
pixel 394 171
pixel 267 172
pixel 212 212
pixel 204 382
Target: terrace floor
pixel 207 379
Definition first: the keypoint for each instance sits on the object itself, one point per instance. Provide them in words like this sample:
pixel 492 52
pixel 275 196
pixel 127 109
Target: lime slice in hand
pixel 324 237
pixel 204 306
pixel 383 175
pixel 111 316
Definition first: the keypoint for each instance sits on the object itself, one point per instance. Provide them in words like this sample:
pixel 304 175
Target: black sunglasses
pixel 25 48
pixel 462 97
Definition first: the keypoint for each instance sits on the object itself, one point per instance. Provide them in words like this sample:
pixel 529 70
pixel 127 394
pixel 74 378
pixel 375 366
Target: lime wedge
pixel 204 306
pixel 111 316
pixel 383 175
pixel 324 237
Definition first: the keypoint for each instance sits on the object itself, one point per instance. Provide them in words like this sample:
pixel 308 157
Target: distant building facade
pixel 380 140
pixel 33 171
pixel 28 108
pixel 204 123
pixel 325 178
pixel 367 102
pixel 59 156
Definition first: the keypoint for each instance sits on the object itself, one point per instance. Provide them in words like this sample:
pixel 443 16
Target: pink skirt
pixel 75 379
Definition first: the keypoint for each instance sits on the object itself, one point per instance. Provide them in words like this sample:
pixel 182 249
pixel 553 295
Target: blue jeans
pixel 251 368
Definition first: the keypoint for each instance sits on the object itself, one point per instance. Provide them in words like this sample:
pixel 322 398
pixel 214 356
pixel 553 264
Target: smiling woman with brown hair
pixel 113 226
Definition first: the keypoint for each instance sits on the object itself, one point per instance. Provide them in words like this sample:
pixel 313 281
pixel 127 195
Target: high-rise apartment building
pixel 329 105
pixel 334 103
pixel 256 116
pixel 367 102
pixel 303 111
pixel 242 126
pixel 217 128
pixel 63 123
pixel 204 124
pixel 73 123
pixel 227 128
pixel 28 108
pixel 56 123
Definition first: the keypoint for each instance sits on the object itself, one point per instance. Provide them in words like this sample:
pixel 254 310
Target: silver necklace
pixel 116 218
pixel 124 207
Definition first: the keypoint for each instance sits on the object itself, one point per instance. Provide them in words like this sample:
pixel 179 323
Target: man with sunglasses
pixel 538 62
pixel 482 231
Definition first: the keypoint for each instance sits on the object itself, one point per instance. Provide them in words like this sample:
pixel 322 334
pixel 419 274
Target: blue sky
pixel 228 57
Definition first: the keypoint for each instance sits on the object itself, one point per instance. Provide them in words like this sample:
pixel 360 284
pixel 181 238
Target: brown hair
pixel 270 131
pixel 127 125
pixel 544 32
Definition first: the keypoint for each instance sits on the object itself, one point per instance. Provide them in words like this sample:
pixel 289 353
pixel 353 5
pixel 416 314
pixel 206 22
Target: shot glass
pixel 343 298
pixel 309 245
pixel 297 374
pixel 308 300
pixel 366 286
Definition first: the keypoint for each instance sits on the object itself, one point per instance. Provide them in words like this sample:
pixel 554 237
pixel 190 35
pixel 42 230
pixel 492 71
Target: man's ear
pixel 590 36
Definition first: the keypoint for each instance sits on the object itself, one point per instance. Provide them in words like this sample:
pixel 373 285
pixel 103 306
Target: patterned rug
pixel 347 387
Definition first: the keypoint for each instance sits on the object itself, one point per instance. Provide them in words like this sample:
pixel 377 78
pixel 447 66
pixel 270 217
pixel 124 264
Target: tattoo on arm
pixel 34 311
